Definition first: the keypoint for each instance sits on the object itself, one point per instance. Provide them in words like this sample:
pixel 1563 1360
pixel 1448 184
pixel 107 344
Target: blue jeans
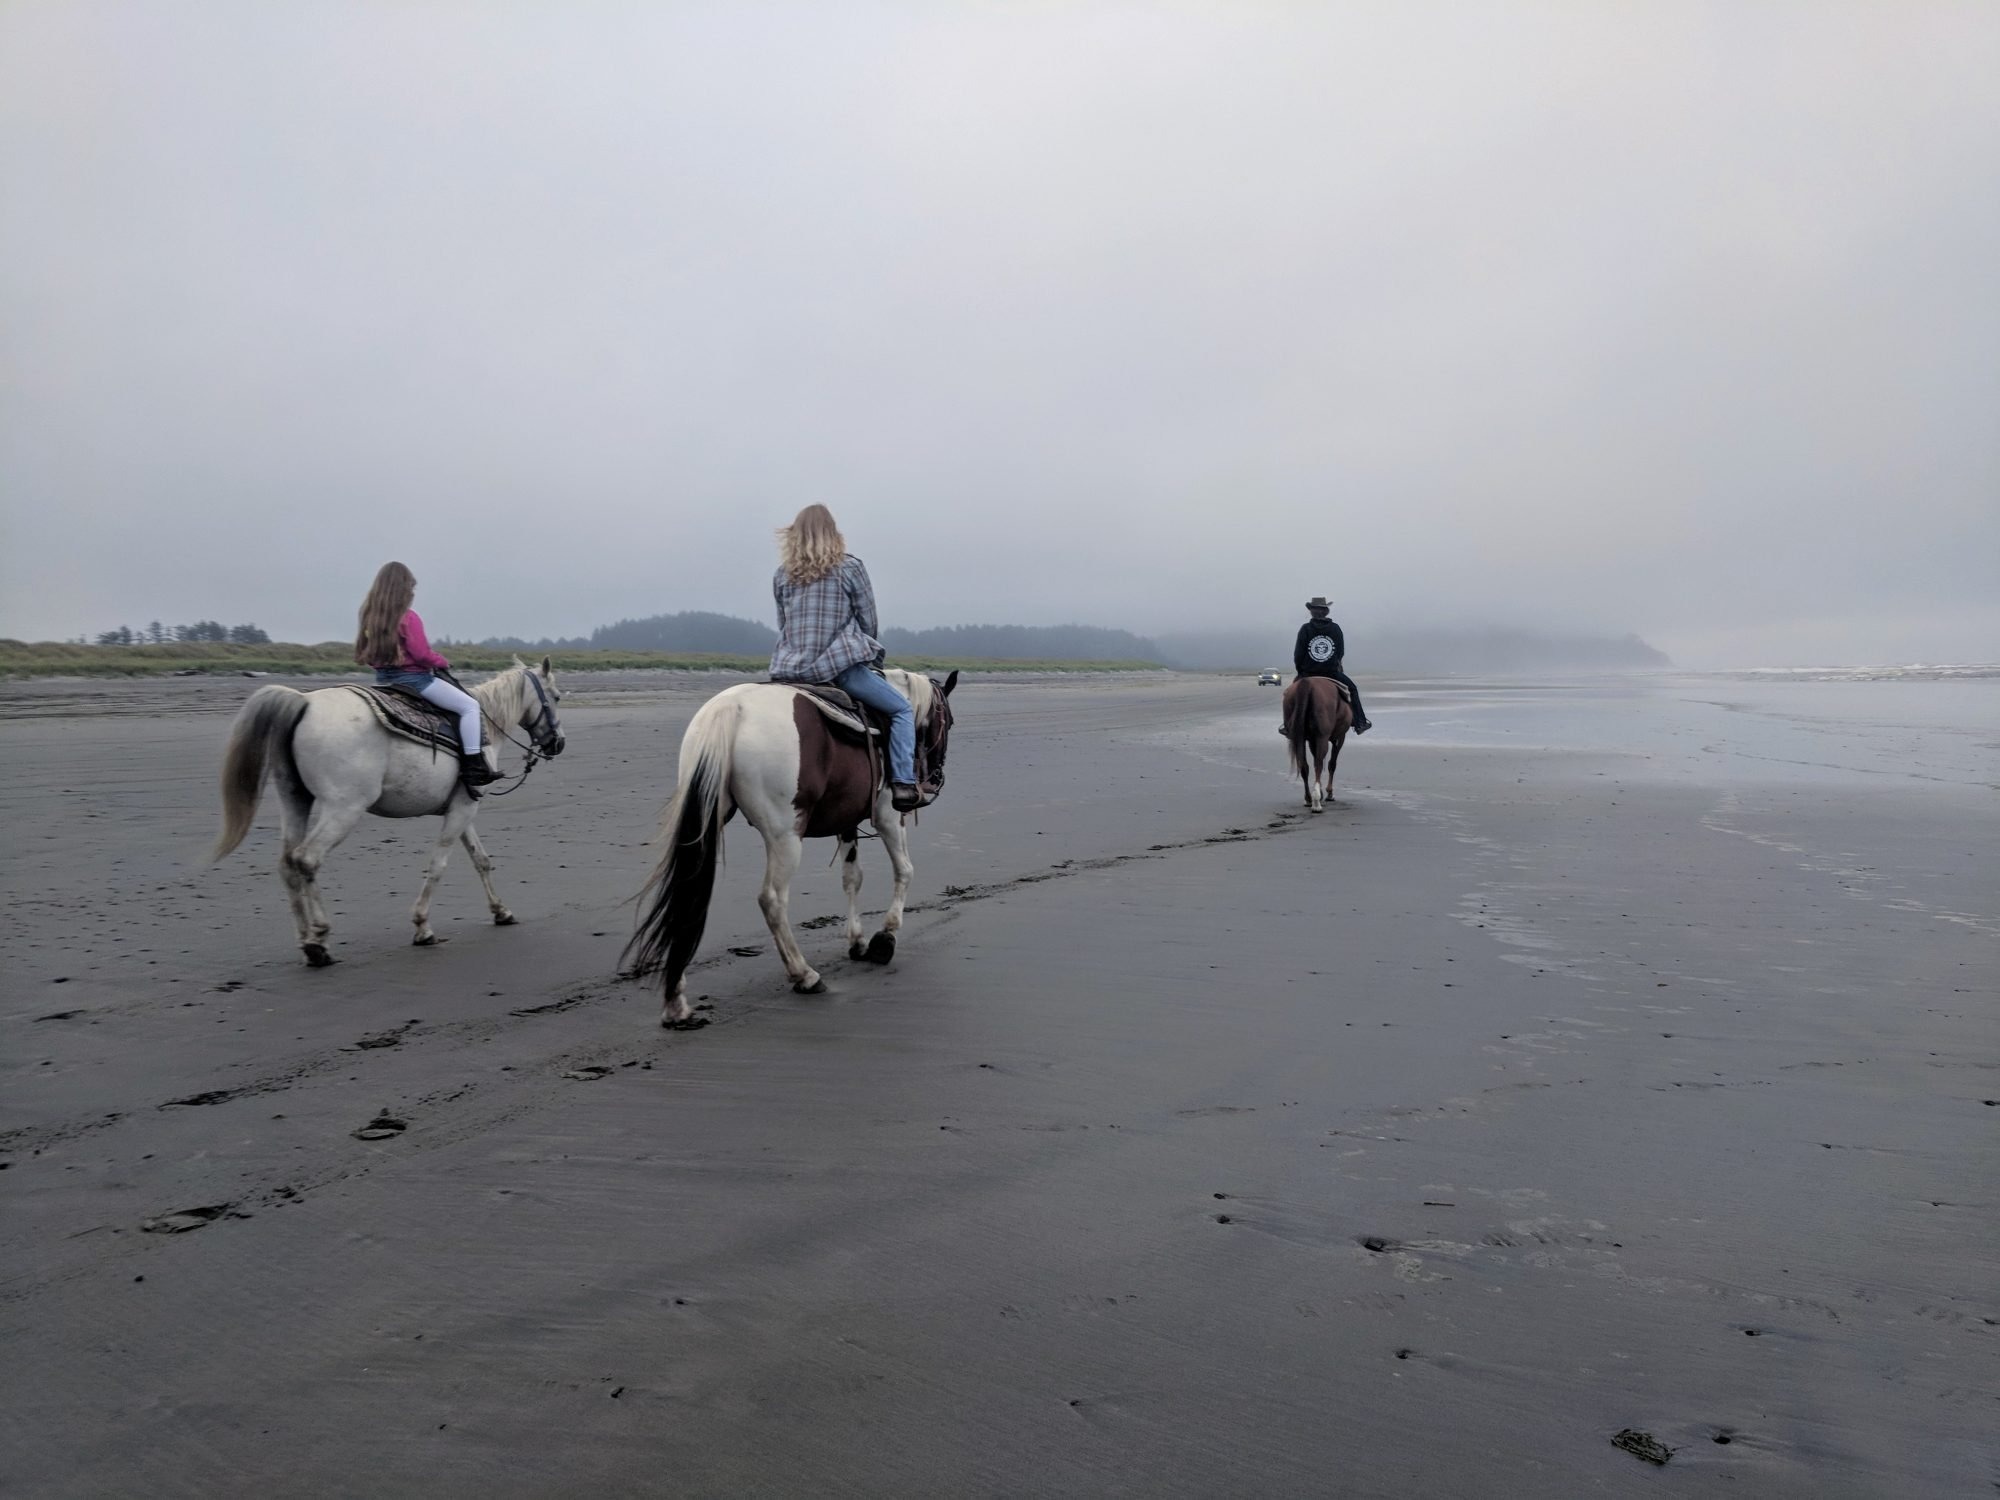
pixel 872 688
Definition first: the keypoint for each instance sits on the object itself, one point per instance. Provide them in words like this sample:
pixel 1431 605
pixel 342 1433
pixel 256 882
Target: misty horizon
pixel 1668 320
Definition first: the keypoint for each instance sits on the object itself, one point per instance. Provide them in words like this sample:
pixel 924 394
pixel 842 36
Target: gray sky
pixel 1677 318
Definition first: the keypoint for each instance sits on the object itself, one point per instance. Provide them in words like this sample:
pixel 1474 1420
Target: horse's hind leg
pixel 1333 760
pixel 457 821
pixel 782 851
pixel 326 826
pixel 483 863
pixel 294 807
pixel 850 881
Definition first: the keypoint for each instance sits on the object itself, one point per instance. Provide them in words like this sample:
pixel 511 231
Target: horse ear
pixel 950 682
pixel 546 668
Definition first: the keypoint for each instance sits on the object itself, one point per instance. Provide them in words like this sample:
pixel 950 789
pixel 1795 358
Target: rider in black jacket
pixel 1318 652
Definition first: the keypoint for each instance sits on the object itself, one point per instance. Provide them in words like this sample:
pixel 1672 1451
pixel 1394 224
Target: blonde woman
pixel 392 641
pixel 826 633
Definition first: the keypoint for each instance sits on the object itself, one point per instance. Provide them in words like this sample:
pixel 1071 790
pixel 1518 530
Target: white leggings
pixel 460 702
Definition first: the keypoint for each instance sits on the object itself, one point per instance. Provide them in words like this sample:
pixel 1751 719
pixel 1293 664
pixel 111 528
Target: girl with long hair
pixel 392 641
pixel 826 633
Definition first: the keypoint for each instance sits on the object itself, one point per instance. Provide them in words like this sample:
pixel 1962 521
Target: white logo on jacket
pixel 1320 648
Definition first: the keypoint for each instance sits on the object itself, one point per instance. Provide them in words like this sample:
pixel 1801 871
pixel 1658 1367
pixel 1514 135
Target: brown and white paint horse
pixel 1317 718
pixel 763 749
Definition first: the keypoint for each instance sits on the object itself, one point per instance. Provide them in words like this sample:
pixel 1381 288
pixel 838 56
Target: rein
pixel 544 728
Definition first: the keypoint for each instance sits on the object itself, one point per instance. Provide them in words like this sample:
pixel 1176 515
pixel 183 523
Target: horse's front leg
pixel 850 882
pixel 483 863
pixel 458 815
pixel 782 851
pixel 896 839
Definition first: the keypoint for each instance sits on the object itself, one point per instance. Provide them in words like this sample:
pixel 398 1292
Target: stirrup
pixel 475 772
pixel 905 796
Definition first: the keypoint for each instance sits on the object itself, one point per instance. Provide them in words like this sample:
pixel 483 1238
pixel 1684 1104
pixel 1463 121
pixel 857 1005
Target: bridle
pixel 545 730
pixel 930 778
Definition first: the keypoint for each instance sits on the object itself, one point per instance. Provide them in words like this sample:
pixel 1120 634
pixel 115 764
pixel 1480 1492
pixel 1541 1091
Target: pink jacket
pixel 416 647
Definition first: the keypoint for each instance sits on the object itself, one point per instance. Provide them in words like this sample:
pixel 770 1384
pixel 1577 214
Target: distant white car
pixel 1269 679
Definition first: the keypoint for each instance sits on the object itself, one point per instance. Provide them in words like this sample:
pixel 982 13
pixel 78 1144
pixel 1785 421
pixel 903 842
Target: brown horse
pixel 1317 718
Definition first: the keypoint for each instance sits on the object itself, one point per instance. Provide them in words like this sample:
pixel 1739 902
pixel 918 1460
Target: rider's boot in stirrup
pixel 473 770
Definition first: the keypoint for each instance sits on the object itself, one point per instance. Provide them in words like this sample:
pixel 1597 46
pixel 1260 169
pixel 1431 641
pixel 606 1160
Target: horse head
pixel 539 697
pixel 935 732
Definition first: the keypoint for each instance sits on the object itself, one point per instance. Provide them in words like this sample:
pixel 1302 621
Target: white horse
pixel 332 761
pixel 765 749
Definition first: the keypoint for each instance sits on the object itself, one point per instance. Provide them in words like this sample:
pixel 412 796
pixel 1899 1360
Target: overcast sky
pixel 1674 318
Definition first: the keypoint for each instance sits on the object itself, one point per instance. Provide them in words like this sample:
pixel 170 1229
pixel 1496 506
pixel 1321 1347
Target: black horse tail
pixel 670 930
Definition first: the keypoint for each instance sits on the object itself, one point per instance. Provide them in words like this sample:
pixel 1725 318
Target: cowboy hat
pixel 1318 601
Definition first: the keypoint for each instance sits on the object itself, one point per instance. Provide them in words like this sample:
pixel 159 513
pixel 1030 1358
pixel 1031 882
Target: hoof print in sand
pixel 191 1218
pixel 1642 1445
pixel 381 1128
pixel 588 1073
pixel 748 950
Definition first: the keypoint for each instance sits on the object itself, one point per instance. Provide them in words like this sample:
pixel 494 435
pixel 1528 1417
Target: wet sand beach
pixel 1611 1055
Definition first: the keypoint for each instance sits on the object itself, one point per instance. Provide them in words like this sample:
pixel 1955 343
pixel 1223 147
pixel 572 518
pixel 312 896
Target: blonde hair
pixel 812 546
pixel 378 642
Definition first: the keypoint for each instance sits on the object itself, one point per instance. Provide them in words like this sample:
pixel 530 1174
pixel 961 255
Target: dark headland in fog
pixel 1435 650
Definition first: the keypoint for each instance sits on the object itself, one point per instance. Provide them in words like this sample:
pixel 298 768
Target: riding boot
pixel 904 796
pixel 473 770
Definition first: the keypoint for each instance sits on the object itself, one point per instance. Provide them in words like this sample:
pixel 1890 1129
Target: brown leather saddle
pixel 849 718
pixel 409 716
pixel 856 723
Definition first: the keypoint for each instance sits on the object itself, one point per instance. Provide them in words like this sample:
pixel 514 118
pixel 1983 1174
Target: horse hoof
pixel 505 919
pixel 427 940
pixel 683 1023
pixel 817 987
pixel 316 955
pixel 857 950
pixel 881 948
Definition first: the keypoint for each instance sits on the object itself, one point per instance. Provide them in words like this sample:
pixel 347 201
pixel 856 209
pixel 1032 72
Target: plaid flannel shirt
pixel 826 626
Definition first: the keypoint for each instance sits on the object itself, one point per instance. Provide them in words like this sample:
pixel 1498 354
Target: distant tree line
pixel 157 634
pixel 699 630
pixel 1024 643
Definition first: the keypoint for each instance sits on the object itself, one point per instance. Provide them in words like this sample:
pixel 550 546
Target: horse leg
pixel 293 810
pixel 1316 801
pixel 896 839
pixel 326 826
pixel 458 816
pixel 850 882
pixel 782 851
pixel 1333 760
pixel 483 863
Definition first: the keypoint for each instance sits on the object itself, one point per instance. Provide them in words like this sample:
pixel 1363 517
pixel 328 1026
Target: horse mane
pixel 918 689
pixel 503 697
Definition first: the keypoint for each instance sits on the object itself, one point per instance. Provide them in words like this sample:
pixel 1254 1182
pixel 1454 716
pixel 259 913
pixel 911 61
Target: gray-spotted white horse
pixel 331 763
pixel 764 749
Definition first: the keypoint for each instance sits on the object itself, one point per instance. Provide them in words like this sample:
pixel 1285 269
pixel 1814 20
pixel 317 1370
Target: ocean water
pixel 1913 725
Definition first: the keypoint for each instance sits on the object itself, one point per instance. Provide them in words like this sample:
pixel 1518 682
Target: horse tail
pixel 260 739
pixel 1303 727
pixel 670 930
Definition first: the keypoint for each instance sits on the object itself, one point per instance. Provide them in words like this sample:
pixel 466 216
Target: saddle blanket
pixel 837 708
pixel 409 716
